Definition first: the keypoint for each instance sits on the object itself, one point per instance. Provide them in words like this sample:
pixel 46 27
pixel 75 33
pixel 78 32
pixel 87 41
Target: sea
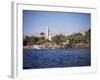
pixel 56 58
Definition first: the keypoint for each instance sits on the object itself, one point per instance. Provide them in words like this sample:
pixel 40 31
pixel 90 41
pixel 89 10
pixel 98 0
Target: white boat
pixel 36 47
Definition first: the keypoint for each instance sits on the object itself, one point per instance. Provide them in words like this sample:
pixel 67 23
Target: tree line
pixel 58 39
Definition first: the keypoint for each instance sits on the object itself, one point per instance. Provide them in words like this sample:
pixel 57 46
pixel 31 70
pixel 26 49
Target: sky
pixel 36 21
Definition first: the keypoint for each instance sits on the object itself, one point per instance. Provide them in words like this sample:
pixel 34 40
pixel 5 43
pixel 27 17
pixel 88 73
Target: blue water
pixel 52 58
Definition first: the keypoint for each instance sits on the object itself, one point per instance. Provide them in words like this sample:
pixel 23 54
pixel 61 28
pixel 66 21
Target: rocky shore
pixel 53 46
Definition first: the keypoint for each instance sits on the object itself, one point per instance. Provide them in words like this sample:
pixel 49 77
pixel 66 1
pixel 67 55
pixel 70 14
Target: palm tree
pixel 42 34
pixel 58 39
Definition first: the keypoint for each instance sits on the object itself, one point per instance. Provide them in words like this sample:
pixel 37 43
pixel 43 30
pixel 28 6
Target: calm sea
pixel 52 58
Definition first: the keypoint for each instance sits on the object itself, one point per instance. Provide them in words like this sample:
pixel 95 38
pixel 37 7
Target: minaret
pixel 47 32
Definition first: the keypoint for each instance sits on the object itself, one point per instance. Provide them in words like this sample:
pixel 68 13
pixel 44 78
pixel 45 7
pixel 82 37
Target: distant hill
pixel 82 31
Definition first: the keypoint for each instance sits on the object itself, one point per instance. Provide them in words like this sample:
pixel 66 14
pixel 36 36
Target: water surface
pixel 52 58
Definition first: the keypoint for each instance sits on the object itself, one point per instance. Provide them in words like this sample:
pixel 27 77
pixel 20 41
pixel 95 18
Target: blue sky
pixel 36 21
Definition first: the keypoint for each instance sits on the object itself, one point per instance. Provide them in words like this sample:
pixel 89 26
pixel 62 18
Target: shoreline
pixel 56 48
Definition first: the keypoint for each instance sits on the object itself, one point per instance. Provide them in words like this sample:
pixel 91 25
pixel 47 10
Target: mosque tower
pixel 47 33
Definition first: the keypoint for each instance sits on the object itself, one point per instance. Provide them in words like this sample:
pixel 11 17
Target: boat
pixel 36 47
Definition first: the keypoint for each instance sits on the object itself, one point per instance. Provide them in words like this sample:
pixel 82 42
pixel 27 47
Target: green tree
pixel 42 34
pixel 29 41
pixel 88 36
pixel 41 40
pixel 76 38
pixel 32 40
pixel 58 39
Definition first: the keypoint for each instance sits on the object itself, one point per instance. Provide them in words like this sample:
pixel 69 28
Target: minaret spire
pixel 47 32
